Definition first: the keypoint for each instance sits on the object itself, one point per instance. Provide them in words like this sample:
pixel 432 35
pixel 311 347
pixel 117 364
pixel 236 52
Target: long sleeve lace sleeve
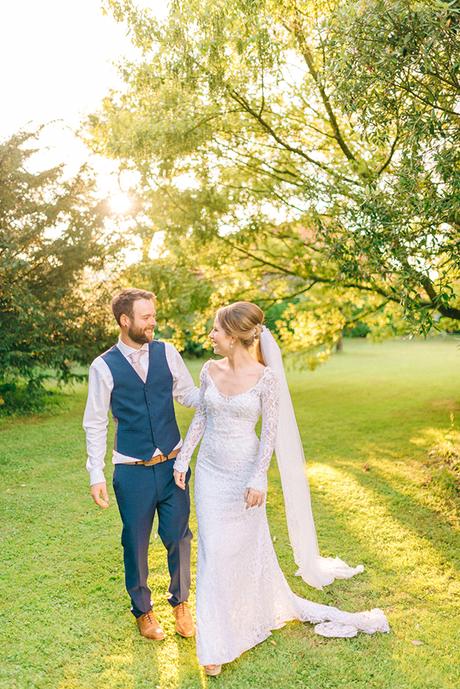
pixel 196 428
pixel 270 409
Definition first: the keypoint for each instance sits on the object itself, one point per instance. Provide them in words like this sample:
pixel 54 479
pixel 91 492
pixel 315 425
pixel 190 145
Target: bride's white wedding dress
pixel 241 592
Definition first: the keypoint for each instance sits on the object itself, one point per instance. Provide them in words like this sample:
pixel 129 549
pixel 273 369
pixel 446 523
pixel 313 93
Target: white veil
pixel 315 570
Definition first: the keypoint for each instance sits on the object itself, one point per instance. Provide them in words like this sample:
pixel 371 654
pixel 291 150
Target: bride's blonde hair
pixel 243 321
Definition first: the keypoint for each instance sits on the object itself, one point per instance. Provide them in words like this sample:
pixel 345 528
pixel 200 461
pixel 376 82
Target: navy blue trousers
pixel 141 491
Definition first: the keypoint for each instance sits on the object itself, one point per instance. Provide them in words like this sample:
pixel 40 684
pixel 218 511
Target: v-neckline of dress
pixel 238 394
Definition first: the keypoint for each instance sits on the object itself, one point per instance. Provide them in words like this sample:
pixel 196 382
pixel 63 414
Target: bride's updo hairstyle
pixel 243 321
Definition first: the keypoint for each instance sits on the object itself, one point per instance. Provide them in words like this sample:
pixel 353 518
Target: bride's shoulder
pixel 260 369
pixel 217 366
pixel 268 376
pixel 205 368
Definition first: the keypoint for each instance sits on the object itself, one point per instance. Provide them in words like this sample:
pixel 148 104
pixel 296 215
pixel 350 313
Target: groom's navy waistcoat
pixel 143 412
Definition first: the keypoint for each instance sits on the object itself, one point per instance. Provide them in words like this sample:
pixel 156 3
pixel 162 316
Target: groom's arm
pixel 95 423
pixel 184 389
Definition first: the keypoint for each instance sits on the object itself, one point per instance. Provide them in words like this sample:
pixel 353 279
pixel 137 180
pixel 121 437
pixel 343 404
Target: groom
pixel 138 379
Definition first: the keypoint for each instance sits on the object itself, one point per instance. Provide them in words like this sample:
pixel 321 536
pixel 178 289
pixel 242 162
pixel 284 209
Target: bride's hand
pixel 179 478
pixel 254 498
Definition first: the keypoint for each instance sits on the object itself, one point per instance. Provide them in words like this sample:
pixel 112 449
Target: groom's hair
pixel 124 300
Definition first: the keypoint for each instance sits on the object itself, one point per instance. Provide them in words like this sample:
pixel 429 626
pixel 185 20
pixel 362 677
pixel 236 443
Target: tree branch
pixel 446 311
pixel 308 57
pixel 390 155
pixel 298 151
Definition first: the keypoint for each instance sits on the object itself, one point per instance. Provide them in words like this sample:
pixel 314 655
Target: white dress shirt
pixel 100 386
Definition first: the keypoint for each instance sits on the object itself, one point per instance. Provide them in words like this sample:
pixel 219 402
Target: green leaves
pixel 51 231
pixel 293 148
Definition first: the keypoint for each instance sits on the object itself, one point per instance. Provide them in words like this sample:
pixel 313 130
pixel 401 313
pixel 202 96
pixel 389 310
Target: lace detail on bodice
pixel 231 419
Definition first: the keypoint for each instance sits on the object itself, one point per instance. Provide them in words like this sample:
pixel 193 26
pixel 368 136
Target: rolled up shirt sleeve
pixel 184 389
pixel 96 418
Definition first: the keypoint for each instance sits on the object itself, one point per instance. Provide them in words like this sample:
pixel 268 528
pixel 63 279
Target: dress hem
pixel 267 634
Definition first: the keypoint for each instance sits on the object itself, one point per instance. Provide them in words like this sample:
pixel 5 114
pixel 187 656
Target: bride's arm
pixel 195 430
pixel 270 409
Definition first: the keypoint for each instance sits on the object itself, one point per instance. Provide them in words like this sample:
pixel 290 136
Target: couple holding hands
pixel 241 592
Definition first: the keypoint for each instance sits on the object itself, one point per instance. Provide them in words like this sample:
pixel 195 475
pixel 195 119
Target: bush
pixel 23 398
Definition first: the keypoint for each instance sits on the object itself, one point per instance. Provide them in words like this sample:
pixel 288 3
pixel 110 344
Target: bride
pixel 241 592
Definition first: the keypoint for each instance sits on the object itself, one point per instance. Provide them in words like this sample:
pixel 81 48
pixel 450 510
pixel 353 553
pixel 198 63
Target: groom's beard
pixel 140 335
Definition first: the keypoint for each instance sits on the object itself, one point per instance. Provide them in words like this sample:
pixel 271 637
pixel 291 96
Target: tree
pixel 320 142
pixel 183 295
pixel 51 232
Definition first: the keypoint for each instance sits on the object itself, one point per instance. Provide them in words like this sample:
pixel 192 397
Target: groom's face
pixel 141 327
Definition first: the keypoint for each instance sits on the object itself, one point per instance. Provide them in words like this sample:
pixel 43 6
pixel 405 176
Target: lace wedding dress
pixel 241 592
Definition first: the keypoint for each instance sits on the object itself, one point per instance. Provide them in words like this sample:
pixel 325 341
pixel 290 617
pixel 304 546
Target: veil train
pixel 315 570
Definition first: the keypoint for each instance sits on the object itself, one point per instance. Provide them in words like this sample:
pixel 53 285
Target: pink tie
pixel 136 362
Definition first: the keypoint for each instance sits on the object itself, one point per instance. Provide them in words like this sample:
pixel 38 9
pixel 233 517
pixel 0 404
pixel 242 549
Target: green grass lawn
pixel 368 418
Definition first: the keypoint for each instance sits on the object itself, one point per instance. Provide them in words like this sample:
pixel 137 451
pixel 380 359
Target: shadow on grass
pixel 423 521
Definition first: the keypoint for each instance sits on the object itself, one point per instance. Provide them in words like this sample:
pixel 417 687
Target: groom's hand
pixel 100 495
pixel 179 478
pixel 254 498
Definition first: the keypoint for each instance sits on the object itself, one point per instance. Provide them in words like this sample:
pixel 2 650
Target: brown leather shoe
pixel 150 627
pixel 184 622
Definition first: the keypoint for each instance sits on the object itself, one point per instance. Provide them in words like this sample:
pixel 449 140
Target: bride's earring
pixel 231 344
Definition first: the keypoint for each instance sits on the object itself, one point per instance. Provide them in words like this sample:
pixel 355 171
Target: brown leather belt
pixel 156 460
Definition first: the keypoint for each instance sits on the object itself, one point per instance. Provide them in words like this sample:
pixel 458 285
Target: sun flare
pixel 120 203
